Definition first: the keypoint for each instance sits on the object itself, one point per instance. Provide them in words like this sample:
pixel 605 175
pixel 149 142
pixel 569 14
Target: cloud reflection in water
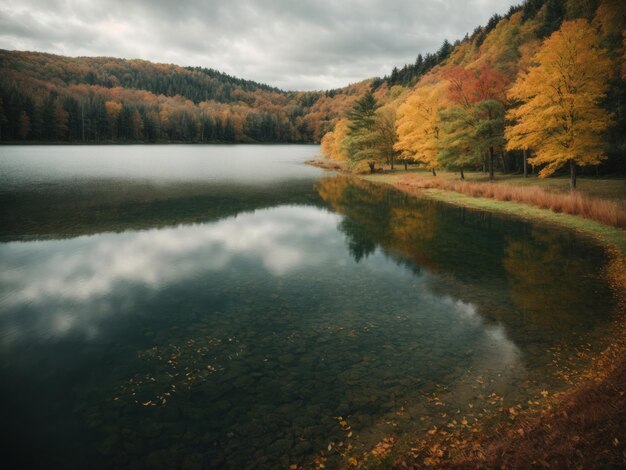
pixel 75 284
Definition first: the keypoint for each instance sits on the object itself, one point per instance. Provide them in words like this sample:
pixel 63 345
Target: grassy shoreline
pixel 607 235
pixel 580 427
pixel 603 233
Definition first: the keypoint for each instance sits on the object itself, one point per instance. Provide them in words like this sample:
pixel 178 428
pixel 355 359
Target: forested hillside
pixel 539 89
pixel 45 97
pixel 463 107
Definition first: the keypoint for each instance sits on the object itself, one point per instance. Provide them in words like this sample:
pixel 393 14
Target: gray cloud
pixel 300 45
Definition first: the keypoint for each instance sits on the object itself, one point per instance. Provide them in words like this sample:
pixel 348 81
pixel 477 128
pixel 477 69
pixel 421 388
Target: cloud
pixel 309 44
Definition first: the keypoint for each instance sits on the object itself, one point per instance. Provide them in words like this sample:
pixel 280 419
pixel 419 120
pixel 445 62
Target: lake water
pixel 231 307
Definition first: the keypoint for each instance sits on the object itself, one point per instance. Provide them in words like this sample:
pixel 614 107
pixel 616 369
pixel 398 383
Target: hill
pixel 51 98
pixel 46 97
pixel 456 109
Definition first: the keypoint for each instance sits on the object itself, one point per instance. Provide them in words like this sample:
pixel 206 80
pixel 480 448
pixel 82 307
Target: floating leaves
pixel 383 448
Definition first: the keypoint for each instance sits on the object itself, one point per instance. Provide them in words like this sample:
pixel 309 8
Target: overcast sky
pixel 292 44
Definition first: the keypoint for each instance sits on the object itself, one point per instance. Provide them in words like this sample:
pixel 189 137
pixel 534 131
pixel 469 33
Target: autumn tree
pixel 474 124
pixel 456 151
pixel 113 109
pixel 333 142
pixel 559 117
pixel 385 136
pixel 418 124
pixel 24 125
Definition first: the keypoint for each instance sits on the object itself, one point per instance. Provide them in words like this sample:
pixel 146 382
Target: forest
pixel 479 103
pixel 540 89
pixel 51 98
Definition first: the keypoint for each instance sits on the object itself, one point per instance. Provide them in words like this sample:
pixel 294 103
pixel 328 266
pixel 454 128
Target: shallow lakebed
pixel 231 307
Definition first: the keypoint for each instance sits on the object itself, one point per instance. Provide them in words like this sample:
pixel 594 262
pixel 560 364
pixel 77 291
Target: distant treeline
pixel 45 97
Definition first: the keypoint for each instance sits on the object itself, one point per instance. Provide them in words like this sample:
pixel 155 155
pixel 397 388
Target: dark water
pixel 228 307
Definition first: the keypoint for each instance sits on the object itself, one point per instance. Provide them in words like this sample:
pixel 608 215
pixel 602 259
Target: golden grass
pixel 574 203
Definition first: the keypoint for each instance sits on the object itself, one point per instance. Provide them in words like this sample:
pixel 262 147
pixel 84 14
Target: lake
pixel 231 307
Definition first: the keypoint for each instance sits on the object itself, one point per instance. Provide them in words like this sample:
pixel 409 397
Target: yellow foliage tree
pixel 559 117
pixel 418 124
pixel 332 142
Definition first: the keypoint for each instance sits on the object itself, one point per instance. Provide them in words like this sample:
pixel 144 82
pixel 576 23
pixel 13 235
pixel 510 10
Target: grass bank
pixel 582 427
pixel 597 209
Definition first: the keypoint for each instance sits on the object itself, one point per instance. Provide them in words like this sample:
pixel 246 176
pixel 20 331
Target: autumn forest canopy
pixel 543 84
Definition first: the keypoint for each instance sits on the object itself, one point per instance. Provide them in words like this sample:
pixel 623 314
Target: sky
pixel 291 44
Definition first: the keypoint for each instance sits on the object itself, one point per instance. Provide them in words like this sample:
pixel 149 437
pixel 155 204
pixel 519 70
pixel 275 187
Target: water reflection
pixel 227 333
pixel 66 191
pixel 528 278
pixel 63 276
pixel 545 271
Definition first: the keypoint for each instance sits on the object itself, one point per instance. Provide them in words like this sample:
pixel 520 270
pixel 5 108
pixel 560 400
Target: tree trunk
pixel 391 158
pixel 525 157
pixel 462 174
pixel 572 175
pixel 372 166
pixel 434 172
pixel 504 167
pixel 406 166
pixel 490 163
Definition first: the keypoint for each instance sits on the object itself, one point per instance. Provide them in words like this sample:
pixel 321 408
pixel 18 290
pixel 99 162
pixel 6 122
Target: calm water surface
pixel 228 306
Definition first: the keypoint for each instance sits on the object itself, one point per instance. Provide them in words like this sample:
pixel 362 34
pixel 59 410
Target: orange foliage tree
pixel 559 116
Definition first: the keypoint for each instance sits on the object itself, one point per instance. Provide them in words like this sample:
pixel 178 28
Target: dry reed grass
pixel 574 203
